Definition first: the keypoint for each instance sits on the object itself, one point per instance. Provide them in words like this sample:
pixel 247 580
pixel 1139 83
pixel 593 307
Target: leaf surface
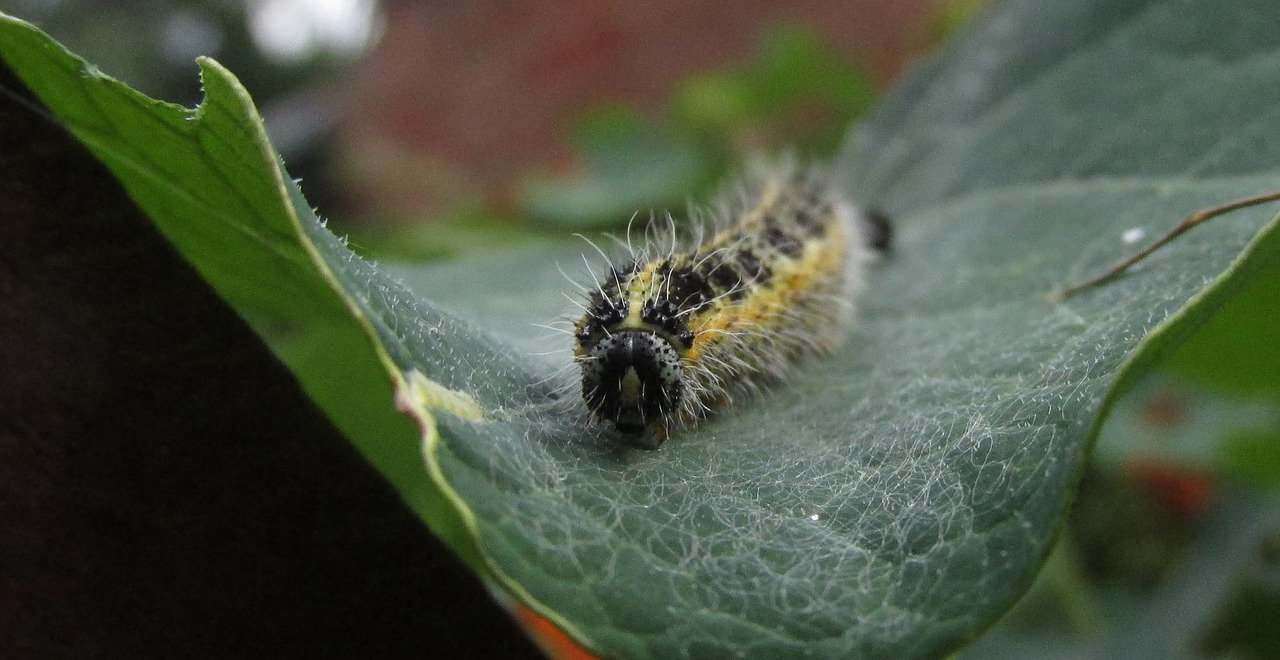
pixel 889 501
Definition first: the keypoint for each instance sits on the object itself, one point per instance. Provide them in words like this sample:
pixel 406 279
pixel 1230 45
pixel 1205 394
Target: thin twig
pixel 1199 217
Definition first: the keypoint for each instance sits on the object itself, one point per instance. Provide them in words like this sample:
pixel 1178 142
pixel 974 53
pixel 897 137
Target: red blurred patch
pixel 1164 410
pixel 459 100
pixel 548 636
pixel 1183 491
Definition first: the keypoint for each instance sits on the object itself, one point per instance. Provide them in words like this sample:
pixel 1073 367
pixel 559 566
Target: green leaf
pixel 894 498
pixel 151 446
pixel 214 186
pixel 1238 351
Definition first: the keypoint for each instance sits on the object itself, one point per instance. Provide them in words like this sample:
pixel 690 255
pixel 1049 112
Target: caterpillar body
pixel 680 328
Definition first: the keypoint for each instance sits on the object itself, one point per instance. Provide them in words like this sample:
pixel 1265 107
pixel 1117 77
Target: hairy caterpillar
pixel 680 328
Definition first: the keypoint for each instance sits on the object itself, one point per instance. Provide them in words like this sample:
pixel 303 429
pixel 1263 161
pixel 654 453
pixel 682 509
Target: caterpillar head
pixel 633 379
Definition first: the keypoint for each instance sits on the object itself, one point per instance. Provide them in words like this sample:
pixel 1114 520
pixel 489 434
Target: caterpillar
pixel 689 322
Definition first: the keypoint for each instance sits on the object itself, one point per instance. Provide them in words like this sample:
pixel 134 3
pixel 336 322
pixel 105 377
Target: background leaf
pixel 895 498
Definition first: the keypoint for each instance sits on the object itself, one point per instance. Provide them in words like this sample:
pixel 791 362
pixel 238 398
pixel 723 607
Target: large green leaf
pixel 891 500
pixel 166 488
pixel 213 185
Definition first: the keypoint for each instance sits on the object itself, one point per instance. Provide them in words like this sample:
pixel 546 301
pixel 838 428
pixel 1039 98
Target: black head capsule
pixel 632 378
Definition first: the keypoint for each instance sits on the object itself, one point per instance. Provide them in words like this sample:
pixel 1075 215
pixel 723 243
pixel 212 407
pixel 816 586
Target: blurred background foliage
pixel 430 130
